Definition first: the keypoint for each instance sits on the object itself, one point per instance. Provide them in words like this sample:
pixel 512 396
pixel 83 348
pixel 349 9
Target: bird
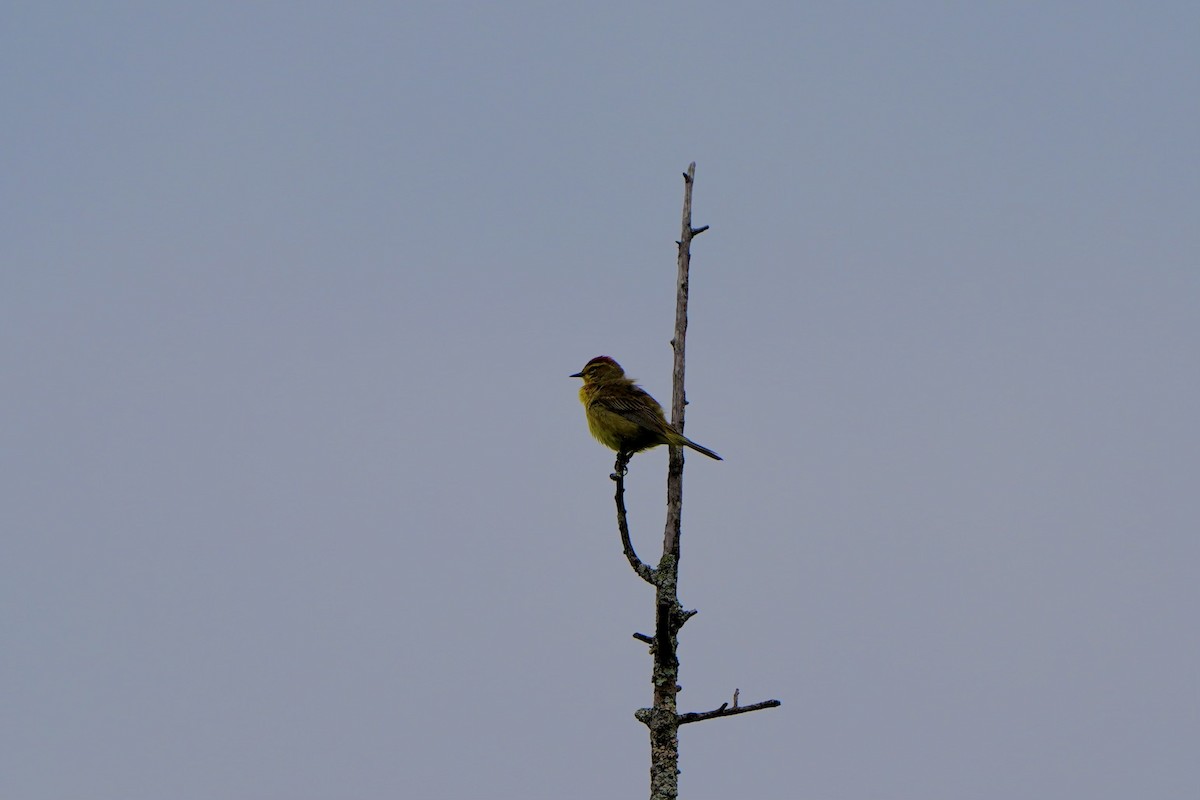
pixel 622 415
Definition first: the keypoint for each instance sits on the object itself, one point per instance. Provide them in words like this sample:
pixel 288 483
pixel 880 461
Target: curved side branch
pixel 644 571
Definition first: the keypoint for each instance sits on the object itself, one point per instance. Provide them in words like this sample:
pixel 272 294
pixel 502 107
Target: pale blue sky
pixel 298 500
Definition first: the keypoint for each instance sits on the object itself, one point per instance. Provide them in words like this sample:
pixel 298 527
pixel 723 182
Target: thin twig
pixel 725 711
pixel 644 570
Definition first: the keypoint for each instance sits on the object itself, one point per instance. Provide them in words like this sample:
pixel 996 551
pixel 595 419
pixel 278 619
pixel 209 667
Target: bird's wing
pixel 637 407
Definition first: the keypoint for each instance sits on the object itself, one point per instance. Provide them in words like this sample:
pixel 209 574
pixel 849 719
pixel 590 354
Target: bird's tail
pixel 699 448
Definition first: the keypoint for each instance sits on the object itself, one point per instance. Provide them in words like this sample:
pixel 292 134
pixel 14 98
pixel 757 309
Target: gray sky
pixel 298 500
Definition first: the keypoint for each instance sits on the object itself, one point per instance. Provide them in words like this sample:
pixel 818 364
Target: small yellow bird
pixel 621 415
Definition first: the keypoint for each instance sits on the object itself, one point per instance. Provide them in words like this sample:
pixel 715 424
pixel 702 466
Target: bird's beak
pixel 576 375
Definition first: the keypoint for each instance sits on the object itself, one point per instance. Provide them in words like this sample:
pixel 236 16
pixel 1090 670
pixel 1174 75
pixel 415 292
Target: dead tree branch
pixel 663 718
pixel 725 711
pixel 644 570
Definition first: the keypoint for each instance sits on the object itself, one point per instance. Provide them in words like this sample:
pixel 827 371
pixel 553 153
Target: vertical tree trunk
pixel 663 718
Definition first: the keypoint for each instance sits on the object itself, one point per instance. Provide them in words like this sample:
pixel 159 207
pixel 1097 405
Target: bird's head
pixel 600 368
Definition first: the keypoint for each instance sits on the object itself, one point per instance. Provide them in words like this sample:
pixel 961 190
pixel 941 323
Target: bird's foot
pixel 621 467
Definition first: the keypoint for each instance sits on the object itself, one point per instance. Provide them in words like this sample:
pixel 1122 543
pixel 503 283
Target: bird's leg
pixel 621 467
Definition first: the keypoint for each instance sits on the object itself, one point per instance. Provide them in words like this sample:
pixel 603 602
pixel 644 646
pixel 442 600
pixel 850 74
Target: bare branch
pixel 725 711
pixel 644 570
pixel 663 719
pixel 678 344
